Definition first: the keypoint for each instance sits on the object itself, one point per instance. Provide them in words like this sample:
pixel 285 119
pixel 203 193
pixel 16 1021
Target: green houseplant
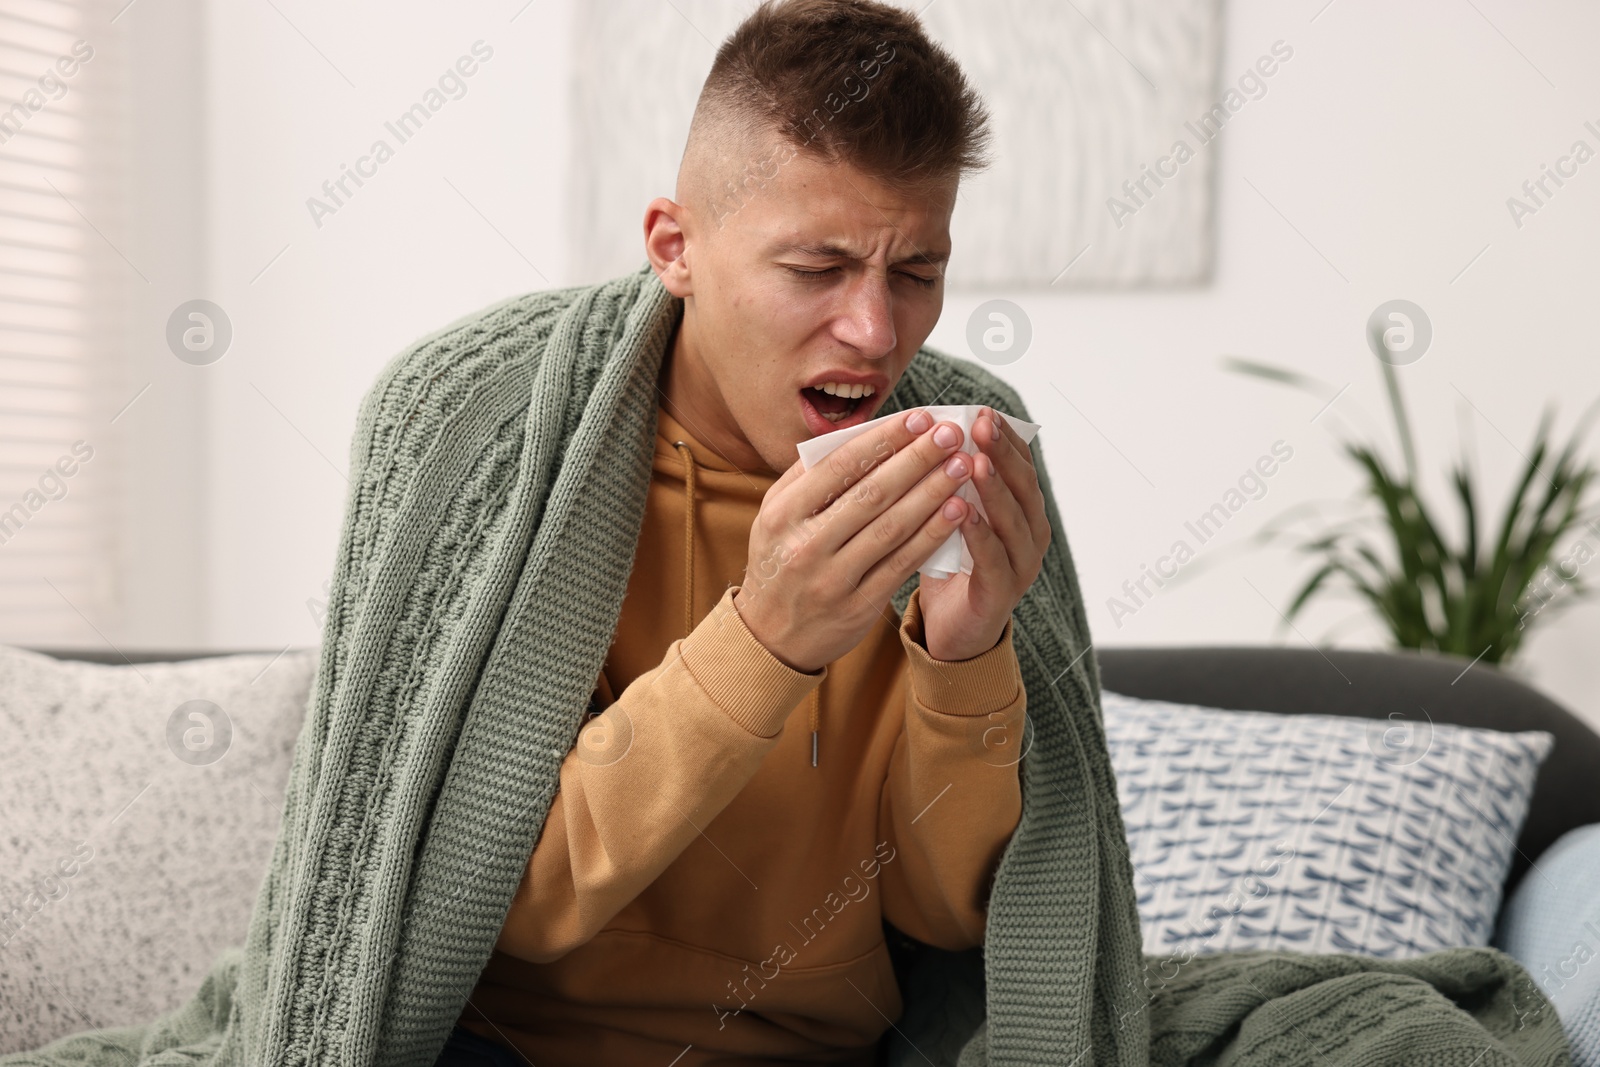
pixel 1477 595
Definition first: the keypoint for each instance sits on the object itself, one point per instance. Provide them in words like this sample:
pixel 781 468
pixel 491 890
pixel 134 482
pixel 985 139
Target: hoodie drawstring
pixel 816 701
pixel 688 574
pixel 688 536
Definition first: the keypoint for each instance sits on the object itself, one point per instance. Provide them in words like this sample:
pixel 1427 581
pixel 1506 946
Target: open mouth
pixel 833 405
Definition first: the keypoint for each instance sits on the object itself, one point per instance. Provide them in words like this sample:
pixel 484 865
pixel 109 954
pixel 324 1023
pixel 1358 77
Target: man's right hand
pixel 831 545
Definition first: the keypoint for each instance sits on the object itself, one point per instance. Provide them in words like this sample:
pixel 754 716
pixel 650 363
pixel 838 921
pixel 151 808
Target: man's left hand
pixel 964 615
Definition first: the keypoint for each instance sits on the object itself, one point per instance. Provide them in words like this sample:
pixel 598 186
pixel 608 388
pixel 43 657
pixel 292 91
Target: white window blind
pixel 63 294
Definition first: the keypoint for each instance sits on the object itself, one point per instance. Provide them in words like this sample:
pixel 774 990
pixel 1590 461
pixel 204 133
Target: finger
pixel 1006 516
pixel 1015 463
pixel 852 461
pixel 890 573
pixel 1012 437
pixel 884 486
pixel 991 563
pixel 998 441
pixel 905 515
pixel 992 431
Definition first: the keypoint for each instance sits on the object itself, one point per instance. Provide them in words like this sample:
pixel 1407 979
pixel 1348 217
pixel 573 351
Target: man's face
pixel 820 286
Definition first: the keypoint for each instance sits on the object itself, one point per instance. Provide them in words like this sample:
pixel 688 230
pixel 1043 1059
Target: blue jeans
pixel 467 1049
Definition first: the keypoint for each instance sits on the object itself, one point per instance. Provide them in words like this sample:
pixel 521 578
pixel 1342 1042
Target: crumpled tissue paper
pixel 952 556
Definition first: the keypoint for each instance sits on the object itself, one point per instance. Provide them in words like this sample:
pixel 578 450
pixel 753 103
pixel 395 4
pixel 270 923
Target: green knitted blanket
pixel 498 478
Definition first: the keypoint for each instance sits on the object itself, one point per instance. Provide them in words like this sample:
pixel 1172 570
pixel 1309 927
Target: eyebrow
pixel 832 251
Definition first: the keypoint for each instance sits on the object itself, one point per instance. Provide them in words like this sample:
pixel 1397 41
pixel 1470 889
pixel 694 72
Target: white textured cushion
pixel 134 836
pixel 1315 833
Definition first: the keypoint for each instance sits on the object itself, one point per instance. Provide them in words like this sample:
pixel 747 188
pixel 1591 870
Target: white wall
pixel 291 104
pixel 1389 144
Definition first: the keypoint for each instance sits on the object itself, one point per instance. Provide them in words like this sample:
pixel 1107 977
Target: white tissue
pixel 952 556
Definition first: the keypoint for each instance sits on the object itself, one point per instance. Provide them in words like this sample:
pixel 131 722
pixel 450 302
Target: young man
pixel 782 763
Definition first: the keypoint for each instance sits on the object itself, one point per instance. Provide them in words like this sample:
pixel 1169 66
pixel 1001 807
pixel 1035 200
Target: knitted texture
pixel 1260 1009
pixel 499 476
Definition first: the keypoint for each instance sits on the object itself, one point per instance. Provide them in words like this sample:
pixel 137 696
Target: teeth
pixel 849 391
pixel 834 417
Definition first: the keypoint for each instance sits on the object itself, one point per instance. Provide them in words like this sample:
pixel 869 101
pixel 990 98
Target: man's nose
pixel 867 323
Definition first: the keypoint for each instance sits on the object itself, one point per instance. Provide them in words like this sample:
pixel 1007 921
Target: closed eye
pixel 926 283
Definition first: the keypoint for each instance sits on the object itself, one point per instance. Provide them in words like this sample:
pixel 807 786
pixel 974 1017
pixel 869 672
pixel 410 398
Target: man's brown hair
pixel 851 81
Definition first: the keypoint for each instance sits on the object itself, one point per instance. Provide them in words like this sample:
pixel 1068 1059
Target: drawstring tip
pixel 813 748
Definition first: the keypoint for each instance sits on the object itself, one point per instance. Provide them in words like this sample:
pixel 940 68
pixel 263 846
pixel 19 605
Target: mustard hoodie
pixel 710 882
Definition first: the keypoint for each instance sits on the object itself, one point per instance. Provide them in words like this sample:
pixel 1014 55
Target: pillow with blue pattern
pixel 1315 833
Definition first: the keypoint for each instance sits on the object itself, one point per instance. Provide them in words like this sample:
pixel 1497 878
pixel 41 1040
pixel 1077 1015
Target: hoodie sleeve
pixel 666 757
pixel 953 795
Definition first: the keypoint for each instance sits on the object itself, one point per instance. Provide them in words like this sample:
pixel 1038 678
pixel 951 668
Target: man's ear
pixel 665 245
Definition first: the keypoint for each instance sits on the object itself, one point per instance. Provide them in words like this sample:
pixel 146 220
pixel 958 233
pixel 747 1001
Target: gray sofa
pixel 182 842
